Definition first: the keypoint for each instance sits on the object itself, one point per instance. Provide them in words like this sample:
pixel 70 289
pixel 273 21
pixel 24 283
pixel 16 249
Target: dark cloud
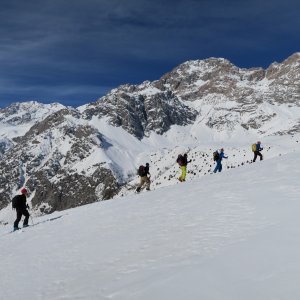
pixel 75 51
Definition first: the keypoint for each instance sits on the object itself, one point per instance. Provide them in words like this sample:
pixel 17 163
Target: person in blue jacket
pixel 257 151
pixel 219 161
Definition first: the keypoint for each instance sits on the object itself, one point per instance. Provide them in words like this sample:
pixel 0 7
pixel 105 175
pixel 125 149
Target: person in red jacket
pixel 19 203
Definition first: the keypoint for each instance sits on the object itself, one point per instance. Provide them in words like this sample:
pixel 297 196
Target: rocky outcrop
pixel 48 155
pixel 237 97
pixel 140 112
pixel 72 190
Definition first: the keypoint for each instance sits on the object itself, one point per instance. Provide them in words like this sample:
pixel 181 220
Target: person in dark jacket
pixel 219 161
pixel 144 179
pixel 257 151
pixel 21 206
pixel 182 161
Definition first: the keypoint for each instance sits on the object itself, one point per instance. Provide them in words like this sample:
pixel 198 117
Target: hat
pixel 258 142
pixel 23 191
pixel 147 164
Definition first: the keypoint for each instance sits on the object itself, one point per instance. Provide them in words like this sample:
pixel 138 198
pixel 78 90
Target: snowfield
pixel 228 236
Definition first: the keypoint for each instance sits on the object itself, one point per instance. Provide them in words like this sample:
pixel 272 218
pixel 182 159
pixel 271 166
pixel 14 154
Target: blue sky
pixel 75 51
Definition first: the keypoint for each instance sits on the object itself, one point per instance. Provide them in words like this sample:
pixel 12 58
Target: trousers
pixel 20 213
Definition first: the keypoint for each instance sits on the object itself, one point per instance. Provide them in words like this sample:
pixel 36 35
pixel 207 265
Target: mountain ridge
pixel 92 151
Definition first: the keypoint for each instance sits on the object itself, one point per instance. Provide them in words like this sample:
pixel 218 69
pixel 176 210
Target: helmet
pixel 147 164
pixel 23 191
pixel 222 149
pixel 185 154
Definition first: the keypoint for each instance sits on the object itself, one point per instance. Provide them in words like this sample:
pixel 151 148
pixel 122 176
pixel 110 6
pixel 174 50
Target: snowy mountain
pixel 213 92
pixel 72 156
pixel 52 151
pixel 230 236
pixel 17 118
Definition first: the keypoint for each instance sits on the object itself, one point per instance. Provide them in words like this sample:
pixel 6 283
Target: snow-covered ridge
pixel 17 118
pixel 234 97
pixel 33 109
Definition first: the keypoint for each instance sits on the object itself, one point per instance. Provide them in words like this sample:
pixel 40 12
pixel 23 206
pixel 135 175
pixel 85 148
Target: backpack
pixel 141 171
pixel 15 202
pixel 180 160
pixel 253 147
pixel 216 155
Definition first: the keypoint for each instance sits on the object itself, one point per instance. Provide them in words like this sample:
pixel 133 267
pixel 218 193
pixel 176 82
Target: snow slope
pixel 230 236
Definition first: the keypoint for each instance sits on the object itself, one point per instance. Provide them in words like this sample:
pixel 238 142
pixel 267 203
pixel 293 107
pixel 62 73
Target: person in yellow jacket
pixel 182 162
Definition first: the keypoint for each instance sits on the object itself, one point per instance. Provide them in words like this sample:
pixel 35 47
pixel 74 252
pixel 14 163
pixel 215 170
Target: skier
pixel 256 148
pixel 143 172
pixel 182 162
pixel 219 161
pixel 19 203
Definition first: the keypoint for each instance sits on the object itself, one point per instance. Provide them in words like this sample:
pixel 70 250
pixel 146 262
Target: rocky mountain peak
pixel 140 110
pixel 293 59
pixel 288 69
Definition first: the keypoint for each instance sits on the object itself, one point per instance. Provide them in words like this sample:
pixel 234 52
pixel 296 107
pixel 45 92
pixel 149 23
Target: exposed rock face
pixel 5 144
pixel 72 190
pixel 49 152
pixel 139 112
pixel 237 97
pixel 206 79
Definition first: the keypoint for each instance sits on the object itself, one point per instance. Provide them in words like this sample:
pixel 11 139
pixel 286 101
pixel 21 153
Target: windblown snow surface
pixel 231 236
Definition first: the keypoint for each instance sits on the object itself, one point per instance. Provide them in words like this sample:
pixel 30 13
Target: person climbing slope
pixel 218 156
pixel 19 203
pixel 256 148
pixel 182 162
pixel 143 172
